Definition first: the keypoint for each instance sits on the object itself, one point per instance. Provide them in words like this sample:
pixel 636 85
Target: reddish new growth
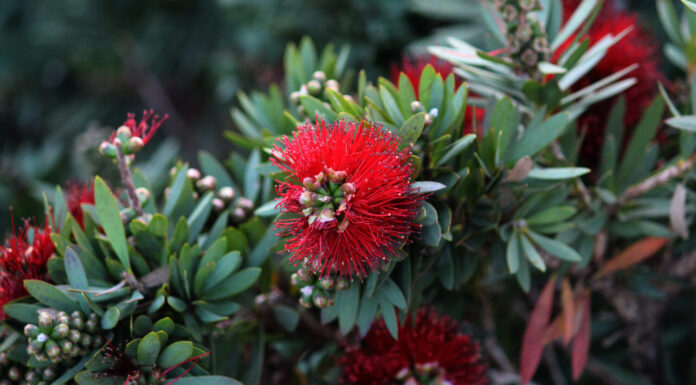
pixel 413 68
pixel 77 194
pixel 143 129
pixel 23 256
pixel 349 187
pixel 432 352
pixel 638 46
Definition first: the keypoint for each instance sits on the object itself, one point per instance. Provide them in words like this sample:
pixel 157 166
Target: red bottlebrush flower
pixel 348 186
pixel 77 194
pixel 638 46
pixel 142 129
pixel 413 68
pixel 431 352
pixel 23 256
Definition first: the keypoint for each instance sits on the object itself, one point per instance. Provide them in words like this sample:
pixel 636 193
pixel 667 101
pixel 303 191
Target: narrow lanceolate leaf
pixel 686 122
pixel 427 186
pixel 677 212
pixel 636 253
pixel 532 343
pixel 581 342
pixel 110 219
pixel 557 173
pixel 521 169
pixel 568 306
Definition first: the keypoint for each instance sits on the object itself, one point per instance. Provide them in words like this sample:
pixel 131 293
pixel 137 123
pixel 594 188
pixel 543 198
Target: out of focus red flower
pixel 77 194
pixel 638 46
pixel 349 189
pixel 23 256
pixel 413 68
pixel 144 130
pixel 430 351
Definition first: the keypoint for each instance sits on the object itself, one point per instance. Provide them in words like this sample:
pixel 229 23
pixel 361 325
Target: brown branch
pixel 656 180
pixel 127 178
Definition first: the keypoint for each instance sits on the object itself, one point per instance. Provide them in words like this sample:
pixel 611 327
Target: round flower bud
pixel 74 336
pixel 218 205
pixel 306 302
pixel 91 325
pixel 60 331
pixel 349 98
pixel 193 174
pixel 321 301
pixel 341 284
pixel 66 347
pixel 307 198
pixel 31 330
pixel 238 215
pixel 86 340
pixel 327 283
pixel 314 87
pixel 135 144
pixel 428 119
pixel 333 84
pixel 124 132
pixel 226 193
pixel 416 106
pixel 206 183
pixel 172 172
pixel 295 97
pixel 97 341
pixel 14 373
pixel 49 374
pixel 45 320
pixel 348 188
pixel 143 194
pixel 107 149
pixel 245 204
pixel 63 318
pixel 295 279
pixel 52 350
pixel 319 75
pixel 309 183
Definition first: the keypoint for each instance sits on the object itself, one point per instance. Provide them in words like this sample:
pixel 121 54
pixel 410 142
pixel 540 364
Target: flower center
pixel 325 199
pixel 422 374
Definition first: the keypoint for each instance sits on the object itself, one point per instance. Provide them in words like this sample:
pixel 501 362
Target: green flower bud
pixel 206 183
pixel 333 84
pixel 66 347
pixel 313 87
pixel 143 194
pixel 319 76
pixel 245 204
pixel 327 283
pixel 295 279
pixel 135 144
pixel 97 341
pixel 14 373
pixel 309 183
pixel 107 149
pixel 45 320
pixel 91 325
pixel 341 284
pixel 52 349
pixel 306 302
pixel 49 374
pixel 218 205
pixel 416 106
pixel 31 330
pixel 295 97
pixel 193 174
pixel 124 132
pixel 74 336
pixel 60 331
pixel 86 340
pixel 321 301
pixel 63 318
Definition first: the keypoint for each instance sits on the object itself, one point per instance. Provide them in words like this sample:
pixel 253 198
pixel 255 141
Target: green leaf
pixel 536 138
pixel 424 187
pixel 24 312
pixel 223 269
pixel 110 318
pixel 551 215
pixel 532 254
pixel 199 216
pixel 555 247
pixel 110 220
pixel 366 315
pixel 512 253
pixel 684 122
pixel 211 166
pixel 286 316
pixel 175 354
pixel 165 324
pixel 348 301
pixel 75 270
pixel 50 295
pixel 582 12
pixel 458 146
pixel 251 176
pixel 411 130
pixel 389 317
pixel 315 106
pixel 233 285
pixel 523 276
pixel 268 209
pixel 392 292
pixel 642 135
pixel 149 348
pixel 557 173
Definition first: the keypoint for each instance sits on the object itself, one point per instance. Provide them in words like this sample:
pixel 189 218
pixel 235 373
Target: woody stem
pixel 127 179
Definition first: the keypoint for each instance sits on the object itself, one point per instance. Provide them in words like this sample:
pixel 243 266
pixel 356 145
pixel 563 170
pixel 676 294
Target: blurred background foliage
pixel 70 70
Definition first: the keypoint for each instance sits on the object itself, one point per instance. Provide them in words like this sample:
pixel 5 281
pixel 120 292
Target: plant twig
pixel 127 178
pixel 656 180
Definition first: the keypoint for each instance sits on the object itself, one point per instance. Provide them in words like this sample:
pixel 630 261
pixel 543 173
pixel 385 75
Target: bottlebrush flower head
pixel 348 189
pixel 638 46
pixel 430 352
pixel 133 135
pixel 23 256
pixel 413 68
pixel 77 194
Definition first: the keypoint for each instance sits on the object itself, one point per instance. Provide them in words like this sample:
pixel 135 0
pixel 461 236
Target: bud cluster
pixel 317 291
pixel 241 208
pixel 129 143
pixel 422 374
pixel 325 199
pixel 524 33
pixel 12 374
pixel 430 116
pixel 60 336
pixel 316 87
